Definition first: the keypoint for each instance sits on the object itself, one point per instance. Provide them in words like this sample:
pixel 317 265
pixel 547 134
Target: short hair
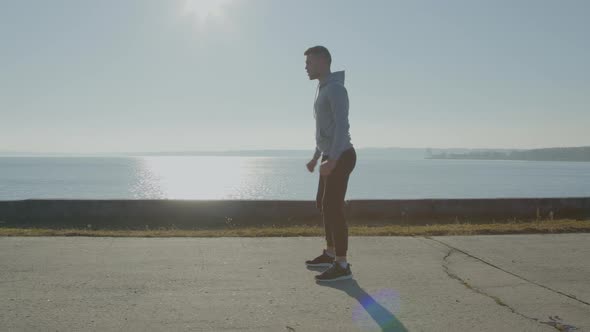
pixel 319 50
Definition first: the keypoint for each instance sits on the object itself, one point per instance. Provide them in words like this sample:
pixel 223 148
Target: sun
pixel 205 10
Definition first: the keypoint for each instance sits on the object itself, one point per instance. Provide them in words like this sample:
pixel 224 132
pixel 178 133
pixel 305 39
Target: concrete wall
pixel 222 213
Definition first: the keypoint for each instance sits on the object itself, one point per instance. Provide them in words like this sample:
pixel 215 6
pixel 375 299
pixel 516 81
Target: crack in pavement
pixel 555 323
pixel 511 273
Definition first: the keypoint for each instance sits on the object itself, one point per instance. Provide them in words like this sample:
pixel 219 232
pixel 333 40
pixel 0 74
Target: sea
pixel 204 177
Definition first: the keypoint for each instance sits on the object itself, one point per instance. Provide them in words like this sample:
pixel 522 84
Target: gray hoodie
pixel 332 132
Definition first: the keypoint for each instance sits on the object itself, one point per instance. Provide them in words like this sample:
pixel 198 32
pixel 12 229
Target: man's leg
pixel 328 255
pixel 335 188
pixel 333 213
pixel 327 226
pixel 333 210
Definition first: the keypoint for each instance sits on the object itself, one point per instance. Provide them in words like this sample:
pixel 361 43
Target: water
pixel 284 178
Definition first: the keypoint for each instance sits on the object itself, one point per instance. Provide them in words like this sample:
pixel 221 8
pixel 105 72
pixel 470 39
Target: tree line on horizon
pixel 545 154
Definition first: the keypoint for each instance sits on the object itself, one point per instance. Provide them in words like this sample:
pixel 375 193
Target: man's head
pixel 317 62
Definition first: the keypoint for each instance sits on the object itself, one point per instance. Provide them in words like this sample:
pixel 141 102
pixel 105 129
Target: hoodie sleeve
pixel 317 154
pixel 338 99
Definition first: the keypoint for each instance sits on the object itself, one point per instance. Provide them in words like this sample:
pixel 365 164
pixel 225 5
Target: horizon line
pixel 270 150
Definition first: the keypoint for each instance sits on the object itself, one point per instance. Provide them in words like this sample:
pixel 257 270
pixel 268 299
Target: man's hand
pixel 327 167
pixel 311 165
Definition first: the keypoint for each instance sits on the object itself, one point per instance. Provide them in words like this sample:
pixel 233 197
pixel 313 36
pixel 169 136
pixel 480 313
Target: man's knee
pixel 332 208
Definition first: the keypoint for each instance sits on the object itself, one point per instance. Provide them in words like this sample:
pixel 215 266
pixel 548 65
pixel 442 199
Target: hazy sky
pixel 139 75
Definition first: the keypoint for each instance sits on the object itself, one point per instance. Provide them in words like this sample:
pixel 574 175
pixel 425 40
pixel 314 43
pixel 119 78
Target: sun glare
pixel 205 10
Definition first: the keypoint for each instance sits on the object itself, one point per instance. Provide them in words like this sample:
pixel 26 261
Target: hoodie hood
pixel 335 77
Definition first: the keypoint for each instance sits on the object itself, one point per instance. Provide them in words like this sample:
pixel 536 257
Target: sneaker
pixel 335 273
pixel 321 260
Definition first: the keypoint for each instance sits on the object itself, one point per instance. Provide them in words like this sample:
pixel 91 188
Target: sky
pixel 185 75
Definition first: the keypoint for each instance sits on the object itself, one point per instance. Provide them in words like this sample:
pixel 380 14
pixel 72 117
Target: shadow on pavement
pixel 381 315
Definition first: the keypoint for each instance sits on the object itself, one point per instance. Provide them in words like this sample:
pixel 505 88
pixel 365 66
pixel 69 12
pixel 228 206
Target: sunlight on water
pixel 281 178
pixel 180 177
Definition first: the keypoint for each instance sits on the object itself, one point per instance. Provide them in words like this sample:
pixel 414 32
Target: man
pixel 333 143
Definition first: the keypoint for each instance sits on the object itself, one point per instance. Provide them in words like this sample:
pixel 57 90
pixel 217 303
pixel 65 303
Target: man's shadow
pixel 383 317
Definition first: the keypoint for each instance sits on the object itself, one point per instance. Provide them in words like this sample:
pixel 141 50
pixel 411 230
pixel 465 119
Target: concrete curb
pixel 224 213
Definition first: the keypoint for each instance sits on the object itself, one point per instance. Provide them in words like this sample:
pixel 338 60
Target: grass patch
pixel 515 227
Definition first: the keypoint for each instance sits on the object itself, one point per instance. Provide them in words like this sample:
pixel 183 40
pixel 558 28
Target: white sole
pixel 336 279
pixel 319 265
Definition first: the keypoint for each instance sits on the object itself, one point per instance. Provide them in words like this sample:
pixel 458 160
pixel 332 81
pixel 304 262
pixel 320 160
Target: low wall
pixel 223 213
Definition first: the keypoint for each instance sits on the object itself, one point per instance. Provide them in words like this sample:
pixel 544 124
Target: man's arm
pixel 317 154
pixel 313 162
pixel 338 98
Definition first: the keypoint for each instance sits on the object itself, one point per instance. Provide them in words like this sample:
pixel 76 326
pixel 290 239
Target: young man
pixel 333 143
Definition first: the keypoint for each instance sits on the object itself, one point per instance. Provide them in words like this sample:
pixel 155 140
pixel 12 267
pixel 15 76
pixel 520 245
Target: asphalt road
pixel 462 283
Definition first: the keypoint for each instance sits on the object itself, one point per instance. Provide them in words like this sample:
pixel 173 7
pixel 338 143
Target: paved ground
pixel 463 283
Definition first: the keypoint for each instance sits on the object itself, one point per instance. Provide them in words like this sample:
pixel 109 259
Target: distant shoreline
pixel 581 154
pixel 502 159
pixel 543 154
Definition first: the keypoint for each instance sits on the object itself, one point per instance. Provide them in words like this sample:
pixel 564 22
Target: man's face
pixel 313 65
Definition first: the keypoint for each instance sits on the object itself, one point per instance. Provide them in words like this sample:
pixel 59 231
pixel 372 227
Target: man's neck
pixel 324 76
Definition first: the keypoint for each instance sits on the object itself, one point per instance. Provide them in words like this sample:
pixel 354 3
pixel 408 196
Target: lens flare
pixel 376 311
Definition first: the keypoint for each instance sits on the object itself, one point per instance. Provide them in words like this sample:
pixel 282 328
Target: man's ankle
pixel 341 260
pixel 331 252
